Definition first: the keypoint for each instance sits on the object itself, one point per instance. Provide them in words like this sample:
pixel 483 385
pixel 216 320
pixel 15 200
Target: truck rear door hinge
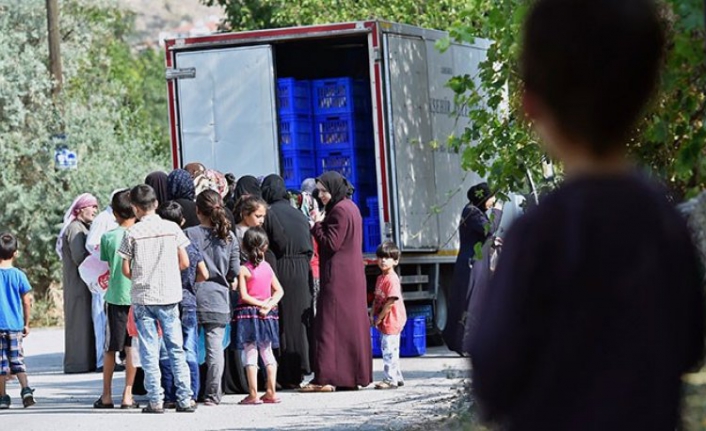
pixel 185 73
pixel 377 56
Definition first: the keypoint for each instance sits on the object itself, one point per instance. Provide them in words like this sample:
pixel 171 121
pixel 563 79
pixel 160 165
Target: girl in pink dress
pixel 257 316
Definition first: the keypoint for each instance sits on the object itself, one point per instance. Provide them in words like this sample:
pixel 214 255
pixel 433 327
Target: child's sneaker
pixel 4 402
pixel 27 397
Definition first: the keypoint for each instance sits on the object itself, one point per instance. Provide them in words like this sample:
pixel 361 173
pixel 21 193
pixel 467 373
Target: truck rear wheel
pixel 440 317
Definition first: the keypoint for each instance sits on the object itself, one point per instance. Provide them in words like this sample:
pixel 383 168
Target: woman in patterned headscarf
pixel 180 189
pixel 79 341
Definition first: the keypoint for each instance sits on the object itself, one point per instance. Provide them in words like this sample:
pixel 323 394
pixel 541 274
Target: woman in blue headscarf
pixel 181 189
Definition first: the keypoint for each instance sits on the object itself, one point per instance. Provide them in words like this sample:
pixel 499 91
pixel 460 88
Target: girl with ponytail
pixel 257 316
pixel 221 254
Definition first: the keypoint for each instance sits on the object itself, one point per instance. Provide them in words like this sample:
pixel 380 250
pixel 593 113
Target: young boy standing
pixel 154 253
pixel 596 307
pixel 197 271
pixel 117 298
pixel 389 314
pixel 15 306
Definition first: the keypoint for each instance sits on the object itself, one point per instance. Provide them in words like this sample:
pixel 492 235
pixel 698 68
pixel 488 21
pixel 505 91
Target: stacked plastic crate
pixel 344 141
pixel 296 132
pixel 343 132
pixel 371 226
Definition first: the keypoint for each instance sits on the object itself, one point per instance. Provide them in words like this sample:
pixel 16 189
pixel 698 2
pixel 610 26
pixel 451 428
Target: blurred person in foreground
pixel 596 308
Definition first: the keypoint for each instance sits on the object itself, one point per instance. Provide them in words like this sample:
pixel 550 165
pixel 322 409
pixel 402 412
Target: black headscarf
pixel 273 189
pixel 478 195
pixel 247 185
pixel 158 181
pixel 337 185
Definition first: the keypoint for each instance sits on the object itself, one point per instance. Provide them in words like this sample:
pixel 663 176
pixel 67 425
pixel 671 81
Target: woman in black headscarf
pixel 180 188
pixel 342 356
pixel 474 228
pixel 158 181
pixel 246 186
pixel 290 243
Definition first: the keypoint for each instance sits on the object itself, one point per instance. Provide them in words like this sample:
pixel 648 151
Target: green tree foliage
pixel 499 143
pixel 103 123
pixel 669 142
pixel 258 14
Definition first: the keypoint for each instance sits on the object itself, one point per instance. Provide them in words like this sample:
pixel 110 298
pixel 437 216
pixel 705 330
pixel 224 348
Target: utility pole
pixel 54 45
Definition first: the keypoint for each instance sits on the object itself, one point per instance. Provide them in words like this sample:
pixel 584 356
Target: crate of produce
pixel 296 167
pixel 293 96
pixel 413 341
pixel 357 166
pixel 296 132
pixel 371 234
pixel 342 132
pixel 340 96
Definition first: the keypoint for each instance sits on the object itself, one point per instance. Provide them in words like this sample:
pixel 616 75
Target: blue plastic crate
pixel 371 234
pixel 357 166
pixel 340 96
pixel 413 340
pixel 296 167
pixel 376 341
pixel 414 337
pixel 342 132
pixel 293 96
pixel 372 204
pixel 425 310
pixel 296 132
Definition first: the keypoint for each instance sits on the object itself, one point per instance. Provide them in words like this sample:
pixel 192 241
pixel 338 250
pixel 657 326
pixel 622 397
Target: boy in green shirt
pixel 117 298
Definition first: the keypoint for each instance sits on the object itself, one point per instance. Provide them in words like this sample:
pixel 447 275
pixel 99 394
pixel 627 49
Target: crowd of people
pixel 193 279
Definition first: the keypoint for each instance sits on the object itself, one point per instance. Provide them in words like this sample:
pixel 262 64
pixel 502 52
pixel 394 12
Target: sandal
pixel 99 404
pixel 247 401
pixel 268 400
pixel 385 385
pixel 317 388
pixel 134 405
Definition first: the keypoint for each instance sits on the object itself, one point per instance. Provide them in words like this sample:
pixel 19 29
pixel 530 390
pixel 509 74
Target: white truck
pixel 223 113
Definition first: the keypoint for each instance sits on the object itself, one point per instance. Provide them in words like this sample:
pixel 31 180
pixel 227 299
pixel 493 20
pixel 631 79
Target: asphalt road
pixel 64 402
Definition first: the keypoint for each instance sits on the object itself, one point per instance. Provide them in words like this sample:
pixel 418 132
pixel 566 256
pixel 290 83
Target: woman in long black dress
pixel 473 229
pixel 290 242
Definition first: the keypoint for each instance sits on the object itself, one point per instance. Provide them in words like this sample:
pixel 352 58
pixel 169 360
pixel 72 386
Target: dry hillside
pixel 155 16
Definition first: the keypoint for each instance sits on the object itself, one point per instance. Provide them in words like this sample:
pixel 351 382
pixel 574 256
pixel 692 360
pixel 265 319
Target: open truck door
pixel 226 108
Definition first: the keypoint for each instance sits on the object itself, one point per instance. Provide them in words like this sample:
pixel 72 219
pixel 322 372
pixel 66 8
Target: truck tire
pixel 440 308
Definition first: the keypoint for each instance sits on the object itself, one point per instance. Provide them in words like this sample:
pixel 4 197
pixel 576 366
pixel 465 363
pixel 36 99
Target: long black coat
pixel 290 243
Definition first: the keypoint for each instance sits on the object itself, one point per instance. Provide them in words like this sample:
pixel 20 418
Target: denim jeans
pixel 189 327
pixel 146 318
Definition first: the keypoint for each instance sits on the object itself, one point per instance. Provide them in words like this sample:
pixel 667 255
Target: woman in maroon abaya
pixel 342 353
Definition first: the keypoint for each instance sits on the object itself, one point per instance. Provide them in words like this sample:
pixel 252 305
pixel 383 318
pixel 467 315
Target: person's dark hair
pixel 8 245
pixel 255 245
pixel 210 204
pixel 143 197
pixel 121 205
pixel 248 204
pixel 172 211
pixel 595 64
pixel 388 249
